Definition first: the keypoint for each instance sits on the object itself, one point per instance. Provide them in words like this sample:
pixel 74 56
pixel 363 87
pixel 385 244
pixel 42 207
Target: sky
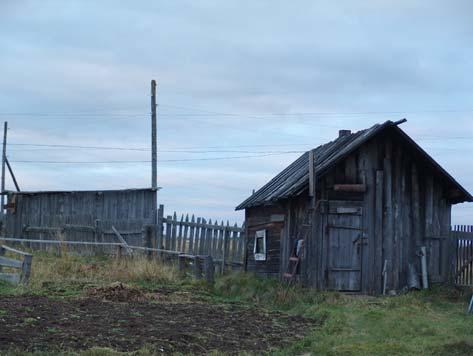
pixel 243 88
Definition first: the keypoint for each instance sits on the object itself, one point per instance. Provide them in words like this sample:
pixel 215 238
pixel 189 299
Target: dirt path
pixel 38 323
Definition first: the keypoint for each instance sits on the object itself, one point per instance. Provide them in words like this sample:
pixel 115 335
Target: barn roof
pixel 126 190
pixel 295 178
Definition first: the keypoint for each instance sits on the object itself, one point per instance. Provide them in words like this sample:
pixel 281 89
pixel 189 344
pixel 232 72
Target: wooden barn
pixel 80 215
pixel 356 214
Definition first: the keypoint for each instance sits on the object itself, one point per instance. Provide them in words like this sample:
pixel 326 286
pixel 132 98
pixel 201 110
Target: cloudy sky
pixel 243 87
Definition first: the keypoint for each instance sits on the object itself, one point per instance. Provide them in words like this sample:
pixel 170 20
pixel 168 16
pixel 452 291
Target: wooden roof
pixel 295 178
pixel 80 191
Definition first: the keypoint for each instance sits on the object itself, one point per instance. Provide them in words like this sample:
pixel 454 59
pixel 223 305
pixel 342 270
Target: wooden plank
pixel 2 253
pixel 312 176
pixel 12 174
pixel 389 217
pixel 397 228
pixel 322 219
pixel 190 248
pixel 358 188
pixel 174 232
pixel 221 238
pixel 416 207
pixel 241 245
pixel 203 237
pixel 234 246
pixel 224 241
pixel 167 242
pixel 230 239
pixel 379 212
pixel 160 228
pixel 13 278
pixel 185 238
pixel 26 269
pixel 214 242
pixel 197 237
pixel 209 269
pixel 122 240
pixel 277 218
pixel 208 239
pixel 348 210
pixel 180 233
pixel 10 249
pixel 369 202
pixel 8 262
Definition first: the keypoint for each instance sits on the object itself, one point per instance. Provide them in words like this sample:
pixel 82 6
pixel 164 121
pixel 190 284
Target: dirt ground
pixel 127 320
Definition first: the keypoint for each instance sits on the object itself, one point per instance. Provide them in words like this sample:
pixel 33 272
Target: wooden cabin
pixel 355 214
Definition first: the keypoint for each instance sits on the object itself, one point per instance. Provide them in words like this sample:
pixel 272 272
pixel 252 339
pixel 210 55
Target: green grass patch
pixel 418 323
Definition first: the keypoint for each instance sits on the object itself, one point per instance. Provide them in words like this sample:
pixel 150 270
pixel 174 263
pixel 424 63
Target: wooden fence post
pixel 147 240
pixel 209 269
pixel 26 269
pixel 181 261
pixel 2 252
pixel 185 244
pixel 174 232
pixel 197 268
pixel 159 229
pixel 224 255
pixel 452 257
pixel 167 239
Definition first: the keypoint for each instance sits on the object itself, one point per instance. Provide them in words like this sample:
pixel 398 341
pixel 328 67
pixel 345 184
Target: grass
pixel 421 323
pixel 68 275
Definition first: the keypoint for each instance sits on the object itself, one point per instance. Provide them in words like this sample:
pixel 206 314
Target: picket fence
pixel 197 236
pixel 463 234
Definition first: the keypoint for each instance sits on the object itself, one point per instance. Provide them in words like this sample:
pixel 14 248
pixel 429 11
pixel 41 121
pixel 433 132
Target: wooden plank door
pixel 345 240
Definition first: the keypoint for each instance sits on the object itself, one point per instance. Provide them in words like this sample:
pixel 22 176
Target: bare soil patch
pixel 126 320
pixel 118 292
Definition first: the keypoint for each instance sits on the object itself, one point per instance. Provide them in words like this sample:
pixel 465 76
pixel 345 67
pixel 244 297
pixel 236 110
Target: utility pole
pixel 154 157
pixel 4 158
pixel 154 174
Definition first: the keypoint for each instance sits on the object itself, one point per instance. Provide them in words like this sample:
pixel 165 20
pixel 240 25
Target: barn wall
pixel 417 212
pixel 272 219
pixel 126 209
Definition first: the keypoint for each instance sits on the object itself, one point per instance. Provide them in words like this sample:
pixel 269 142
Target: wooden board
pixel 10 277
pixel 8 262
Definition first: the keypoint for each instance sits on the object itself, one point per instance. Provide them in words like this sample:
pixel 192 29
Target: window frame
pixel 260 234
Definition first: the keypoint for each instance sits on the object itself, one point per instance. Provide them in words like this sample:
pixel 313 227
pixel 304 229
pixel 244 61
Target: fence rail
pixel 24 266
pixel 464 254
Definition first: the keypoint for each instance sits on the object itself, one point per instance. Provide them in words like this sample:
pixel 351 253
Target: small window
pixel 260 245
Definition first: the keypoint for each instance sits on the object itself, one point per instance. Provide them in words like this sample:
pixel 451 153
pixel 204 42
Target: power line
pixel 166 160
pixel 200 113
pixel 205 149
pixel 80 146
pixel 394 112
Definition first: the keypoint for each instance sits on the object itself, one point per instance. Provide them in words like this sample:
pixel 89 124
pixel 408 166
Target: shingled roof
pixel 295 178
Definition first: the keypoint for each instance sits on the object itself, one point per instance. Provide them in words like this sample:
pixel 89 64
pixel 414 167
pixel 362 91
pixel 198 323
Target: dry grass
pixel 69 269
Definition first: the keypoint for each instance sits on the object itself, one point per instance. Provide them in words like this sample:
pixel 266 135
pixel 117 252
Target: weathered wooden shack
pixel 379 198
pixel 80 215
